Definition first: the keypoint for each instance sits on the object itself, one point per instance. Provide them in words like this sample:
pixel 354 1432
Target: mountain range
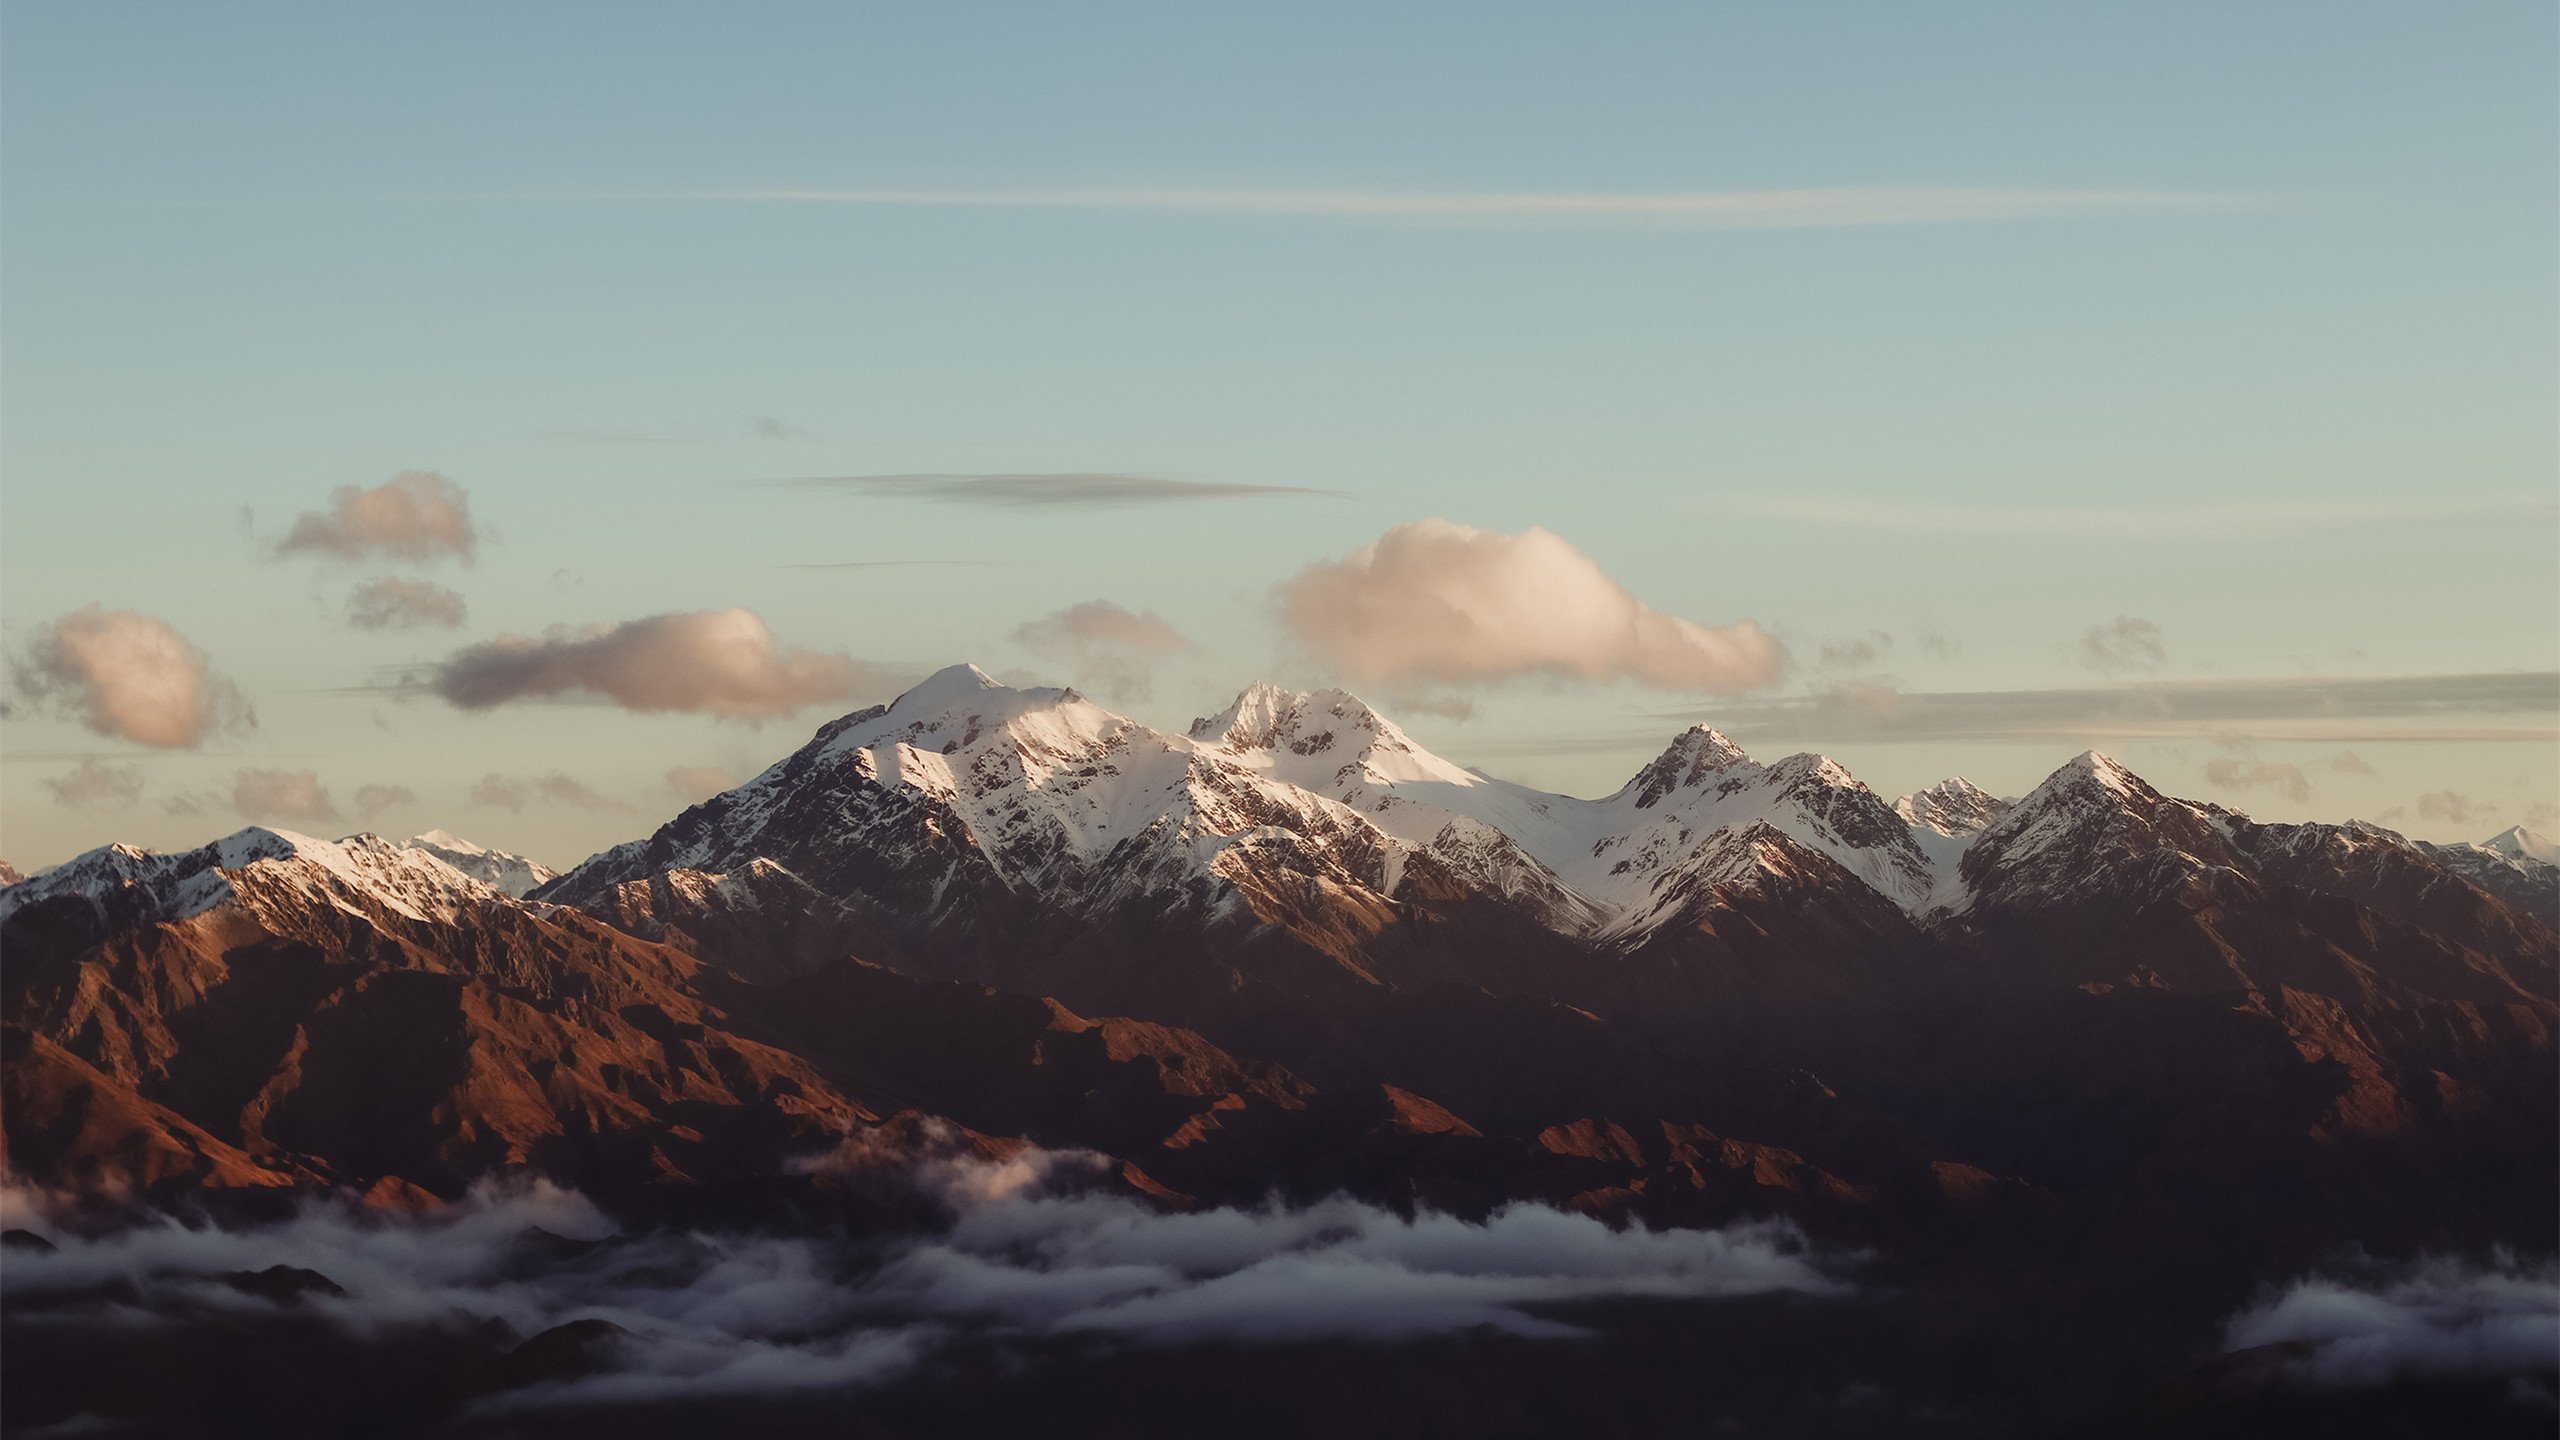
pixel 2016 1048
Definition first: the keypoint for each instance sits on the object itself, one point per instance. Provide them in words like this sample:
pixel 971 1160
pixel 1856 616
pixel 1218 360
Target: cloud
pixel 1857 652
pixel 1061 491
pixel 2370 1324
pixel 2204 520
pixel 2312 709
pixel 129 676
pixel 1031 1252
pixel 294 796
pixel 372 800
pixel 2453 808
pixel 1113 649
pixel 1935 643
pixel 1817 208
pixel 92 786
pixel 2285 780
pixel 392 603
pixel 515 792
pixel 706 662
pixel 418 515
pixel 2124 643
pixel 773 427
pixel 697 783
pixel 2348 762
pixel 1434 602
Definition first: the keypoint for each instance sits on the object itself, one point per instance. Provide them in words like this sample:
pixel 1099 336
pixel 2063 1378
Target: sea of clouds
pixel 1033 1251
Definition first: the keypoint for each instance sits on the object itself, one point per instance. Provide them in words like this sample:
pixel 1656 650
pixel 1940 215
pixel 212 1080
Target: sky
pixel 1948 388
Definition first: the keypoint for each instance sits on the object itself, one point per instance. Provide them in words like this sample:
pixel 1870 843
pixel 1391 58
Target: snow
pixel 256 867
pixel 513 876
pixel 1087 808
pixel 1072 800
pixel 2517 843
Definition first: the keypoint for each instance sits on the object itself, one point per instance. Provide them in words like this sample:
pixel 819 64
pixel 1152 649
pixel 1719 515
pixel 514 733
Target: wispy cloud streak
pixel 1075 489
pixel 1826 207
pixel 2205 520
pixel 2308 708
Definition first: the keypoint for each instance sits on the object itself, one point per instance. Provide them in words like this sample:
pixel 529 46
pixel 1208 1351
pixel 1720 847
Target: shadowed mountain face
pixel 2077 1071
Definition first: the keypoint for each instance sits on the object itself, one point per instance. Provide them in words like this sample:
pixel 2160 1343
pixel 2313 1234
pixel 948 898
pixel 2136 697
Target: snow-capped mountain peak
pixel 511 875
pixel 254 866
pixel 1700 754
pixel 1952 807
pixel 1324 740
pixel 2517 843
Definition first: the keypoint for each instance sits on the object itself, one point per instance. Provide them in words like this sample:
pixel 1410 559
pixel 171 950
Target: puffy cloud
pixel 697 783
pixel 706 662
pixel 392 603
pixel 2454 808
pixel 1434 602
pixel 2285 780
pixel 2373 1324
pixel 372 800
pixel 2348 762
pixel 130 676
pixel 417 515
pixel 1110 648
pixel 92 786
pixel 2124 643
pixel 294 796
pixel 513 792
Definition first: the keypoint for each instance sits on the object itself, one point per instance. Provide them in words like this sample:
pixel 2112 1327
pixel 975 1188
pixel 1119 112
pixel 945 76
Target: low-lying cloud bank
pixel 1026 1259
pixel 2437 1318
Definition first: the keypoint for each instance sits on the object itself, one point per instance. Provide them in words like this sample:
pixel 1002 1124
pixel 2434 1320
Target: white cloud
pixel 129 676
pixel 2201 520
pixel 92 786
pixel 2436 1317
pixel 1821 208
pixel 2127 642
pixel 417 516
pixel 707 662
pixel 372 800
pixel 1033 1251
pixel 515 792
pixel 293 796
pixel 2285 780
pixel 2454 808
pixel 1434 602
pixel 1112 649
pixel 394 603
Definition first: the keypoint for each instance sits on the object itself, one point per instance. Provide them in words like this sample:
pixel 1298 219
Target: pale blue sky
pixel 2302 371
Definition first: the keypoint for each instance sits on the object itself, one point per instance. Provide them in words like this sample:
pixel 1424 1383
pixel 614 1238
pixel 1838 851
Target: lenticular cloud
pixel 1434 602
pixel 706 662
pixel 129 676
